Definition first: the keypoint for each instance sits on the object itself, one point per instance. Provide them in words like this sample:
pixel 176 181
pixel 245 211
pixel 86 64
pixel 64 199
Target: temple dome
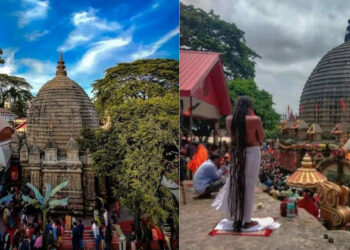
pixel 328 86
pixel 59 111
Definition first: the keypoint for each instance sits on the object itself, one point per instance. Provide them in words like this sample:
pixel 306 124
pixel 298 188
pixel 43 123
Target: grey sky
pixel 290 36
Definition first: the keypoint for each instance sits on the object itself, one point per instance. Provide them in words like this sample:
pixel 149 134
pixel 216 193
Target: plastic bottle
pixel 291 207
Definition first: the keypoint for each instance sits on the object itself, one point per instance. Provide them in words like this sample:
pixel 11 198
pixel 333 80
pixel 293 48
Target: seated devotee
pixel 208 177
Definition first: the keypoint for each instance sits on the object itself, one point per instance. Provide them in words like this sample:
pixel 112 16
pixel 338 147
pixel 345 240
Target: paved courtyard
pixel 197 218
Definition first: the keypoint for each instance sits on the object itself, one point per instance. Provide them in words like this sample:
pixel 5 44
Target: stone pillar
pixel 24 164
pixel 35 176
pixel 89 186
pixel 34 164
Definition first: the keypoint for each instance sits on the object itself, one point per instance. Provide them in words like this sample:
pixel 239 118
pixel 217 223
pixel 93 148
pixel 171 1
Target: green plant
pixel 44 203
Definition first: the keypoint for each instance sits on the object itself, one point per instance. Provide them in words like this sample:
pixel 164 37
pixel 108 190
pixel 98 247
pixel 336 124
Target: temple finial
pixel 61 68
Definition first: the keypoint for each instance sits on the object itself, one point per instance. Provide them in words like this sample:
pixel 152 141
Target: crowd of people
pixel 24 228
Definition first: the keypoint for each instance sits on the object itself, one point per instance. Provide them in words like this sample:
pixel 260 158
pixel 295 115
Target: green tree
pixel 206 31
pixel 142 101
pixel 44 203
pixel 16 91
pixel 263 104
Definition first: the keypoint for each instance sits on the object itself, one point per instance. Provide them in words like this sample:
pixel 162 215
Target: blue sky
pixel 93 36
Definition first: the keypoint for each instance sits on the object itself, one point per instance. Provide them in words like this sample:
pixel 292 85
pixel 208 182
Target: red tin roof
pixel 202 76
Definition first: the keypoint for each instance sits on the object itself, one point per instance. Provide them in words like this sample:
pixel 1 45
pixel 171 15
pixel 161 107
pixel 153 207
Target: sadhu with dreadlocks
pixel 236 198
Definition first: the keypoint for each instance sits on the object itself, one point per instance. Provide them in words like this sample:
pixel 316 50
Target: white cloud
pixel 35 35
pixel 150 50
pixel 9 67
pixel 35 10
pixel 87 26
pixel 99 52
pixel 37 72
pixel 153 7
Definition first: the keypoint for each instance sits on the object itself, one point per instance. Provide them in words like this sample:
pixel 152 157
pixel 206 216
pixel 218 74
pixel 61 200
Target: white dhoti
pixel 251 171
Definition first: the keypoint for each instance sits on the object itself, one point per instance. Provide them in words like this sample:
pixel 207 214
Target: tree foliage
pixel 206 31
pixel 263 104
pixel 16 91
pixel 142 101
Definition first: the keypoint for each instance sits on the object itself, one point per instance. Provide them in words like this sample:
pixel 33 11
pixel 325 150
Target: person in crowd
pixel 167 233
pixel 105 217
pixel 75 236
pixel 108 238
pixel 25 244
pixel 96 232
pixel 17 239
pixel 50 242
pixel 6 240
pixel 60 231
pixel 208 177
pixel 236 199
pixel 103 238
pixel 117 208
pixel 68 222
pixel 97 217
pixel 48 225
pixel 120 234
pixel 146 235
pixel 54 230
pixel 81 234
pixel 39 241
pixel 133 239
pixel 161 238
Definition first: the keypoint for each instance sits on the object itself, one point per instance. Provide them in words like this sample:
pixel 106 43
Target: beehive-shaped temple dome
pixel 59 111
pixel 327 90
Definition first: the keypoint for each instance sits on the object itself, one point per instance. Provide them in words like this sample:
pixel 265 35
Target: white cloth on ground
pixel 264 223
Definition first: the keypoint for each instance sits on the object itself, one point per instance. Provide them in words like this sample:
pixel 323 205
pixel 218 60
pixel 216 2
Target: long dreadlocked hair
pixel 237 183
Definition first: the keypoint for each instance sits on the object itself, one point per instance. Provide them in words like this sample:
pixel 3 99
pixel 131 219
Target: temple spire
pixel 61 68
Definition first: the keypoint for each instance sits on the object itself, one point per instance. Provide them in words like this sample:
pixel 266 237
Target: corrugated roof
pixel 194 67
pixel 202 76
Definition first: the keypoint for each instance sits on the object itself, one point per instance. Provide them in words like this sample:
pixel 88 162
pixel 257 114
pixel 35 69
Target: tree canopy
pixel 263 104
pixel 206 31
pixel 16 91
pixel 141 100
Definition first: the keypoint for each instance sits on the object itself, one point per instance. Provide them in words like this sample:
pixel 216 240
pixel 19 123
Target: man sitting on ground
pixel 208 177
